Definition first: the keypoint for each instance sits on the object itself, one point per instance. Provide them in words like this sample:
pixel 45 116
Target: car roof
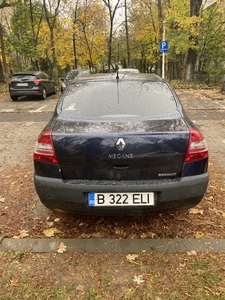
pixel 113 76
pixel 78 70
pixel 128 70
pixel 28 73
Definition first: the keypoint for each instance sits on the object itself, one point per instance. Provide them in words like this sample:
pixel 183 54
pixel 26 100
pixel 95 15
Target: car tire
pixel 14 98
pixel 44 94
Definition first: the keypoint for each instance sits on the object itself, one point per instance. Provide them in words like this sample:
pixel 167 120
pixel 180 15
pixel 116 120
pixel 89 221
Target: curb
pixel 114 245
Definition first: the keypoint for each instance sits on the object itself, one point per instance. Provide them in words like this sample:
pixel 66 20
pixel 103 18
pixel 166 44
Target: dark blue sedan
pixel 120 144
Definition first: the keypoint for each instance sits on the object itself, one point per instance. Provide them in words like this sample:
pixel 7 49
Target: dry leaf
pixel 131 256
pixel 192 252
pixel 23 233
pixel 216 211
pixel 62 248
pixel 182 265
pixel 138 279
pixel 152 235
pixel 143 236
pixel 49 224
pixel 196 211
pixel 80 288
pixel 199 234
pixel 2 199
pixel 50 232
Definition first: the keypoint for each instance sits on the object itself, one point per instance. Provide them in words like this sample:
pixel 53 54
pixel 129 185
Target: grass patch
pixel 111 276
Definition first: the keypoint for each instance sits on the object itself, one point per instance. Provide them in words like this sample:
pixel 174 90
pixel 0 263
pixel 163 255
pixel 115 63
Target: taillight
pixel 37 81
pixel 44 148
pixel 197 148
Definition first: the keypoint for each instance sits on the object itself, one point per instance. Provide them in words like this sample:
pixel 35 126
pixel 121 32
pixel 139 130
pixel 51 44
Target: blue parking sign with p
pixel 164 46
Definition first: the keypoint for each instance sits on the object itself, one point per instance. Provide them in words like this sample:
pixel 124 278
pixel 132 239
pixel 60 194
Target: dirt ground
pixel 103 276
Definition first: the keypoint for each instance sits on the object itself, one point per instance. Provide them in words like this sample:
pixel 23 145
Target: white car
pixel 129 70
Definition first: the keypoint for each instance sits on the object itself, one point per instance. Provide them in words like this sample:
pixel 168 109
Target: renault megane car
pixel 120 144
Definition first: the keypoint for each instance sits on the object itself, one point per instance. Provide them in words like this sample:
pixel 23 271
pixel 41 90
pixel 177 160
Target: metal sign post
pixel 163 48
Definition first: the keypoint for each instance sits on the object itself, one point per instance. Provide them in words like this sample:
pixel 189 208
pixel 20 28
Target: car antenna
pixel 117 75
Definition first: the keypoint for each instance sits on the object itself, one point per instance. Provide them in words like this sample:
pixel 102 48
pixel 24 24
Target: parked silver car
pixel 71 76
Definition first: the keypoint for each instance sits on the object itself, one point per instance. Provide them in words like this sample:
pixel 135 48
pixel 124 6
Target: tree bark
pixel 5 65
pixel 4 62
pixel 51 20
pixel 195 6
pixel 112 12
pixel 74 36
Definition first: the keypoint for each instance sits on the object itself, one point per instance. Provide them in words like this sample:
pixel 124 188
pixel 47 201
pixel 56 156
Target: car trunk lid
pixel 135 150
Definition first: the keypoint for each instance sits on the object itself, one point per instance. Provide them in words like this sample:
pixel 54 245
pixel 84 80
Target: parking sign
pixel 164 46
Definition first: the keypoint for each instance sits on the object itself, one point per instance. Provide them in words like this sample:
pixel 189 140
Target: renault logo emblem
pixel 120 144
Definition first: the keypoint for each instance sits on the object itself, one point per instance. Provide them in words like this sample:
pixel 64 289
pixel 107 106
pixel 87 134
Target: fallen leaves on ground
pixel 21 215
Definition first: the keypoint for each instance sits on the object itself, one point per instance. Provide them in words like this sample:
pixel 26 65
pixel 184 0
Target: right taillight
pixel 37 81
pixel 44 148
pixel 197 148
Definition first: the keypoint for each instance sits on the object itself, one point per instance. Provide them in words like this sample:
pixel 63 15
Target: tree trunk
pixel 74 36
pixel 5 65
pixel 195 6
pixel 51 20
pixel 112 12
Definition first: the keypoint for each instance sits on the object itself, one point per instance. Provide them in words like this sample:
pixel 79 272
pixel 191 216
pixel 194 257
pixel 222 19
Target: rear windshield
pixel 125 99
pixel 26 77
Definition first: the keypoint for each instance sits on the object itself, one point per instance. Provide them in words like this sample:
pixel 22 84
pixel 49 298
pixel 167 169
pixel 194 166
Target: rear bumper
pixel 71 196
pixel 21 93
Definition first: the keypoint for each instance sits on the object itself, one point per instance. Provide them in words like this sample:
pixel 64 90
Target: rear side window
pixel 123 99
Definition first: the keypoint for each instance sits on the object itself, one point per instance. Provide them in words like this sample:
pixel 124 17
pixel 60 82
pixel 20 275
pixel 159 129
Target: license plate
pixel 22 84
pixel 121 199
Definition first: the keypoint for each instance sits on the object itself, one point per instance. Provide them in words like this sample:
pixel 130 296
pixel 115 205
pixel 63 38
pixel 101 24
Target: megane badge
pixel 120 144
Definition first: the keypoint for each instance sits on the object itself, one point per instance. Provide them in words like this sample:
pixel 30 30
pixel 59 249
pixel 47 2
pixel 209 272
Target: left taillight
pixel 44 149
pixel 197 148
